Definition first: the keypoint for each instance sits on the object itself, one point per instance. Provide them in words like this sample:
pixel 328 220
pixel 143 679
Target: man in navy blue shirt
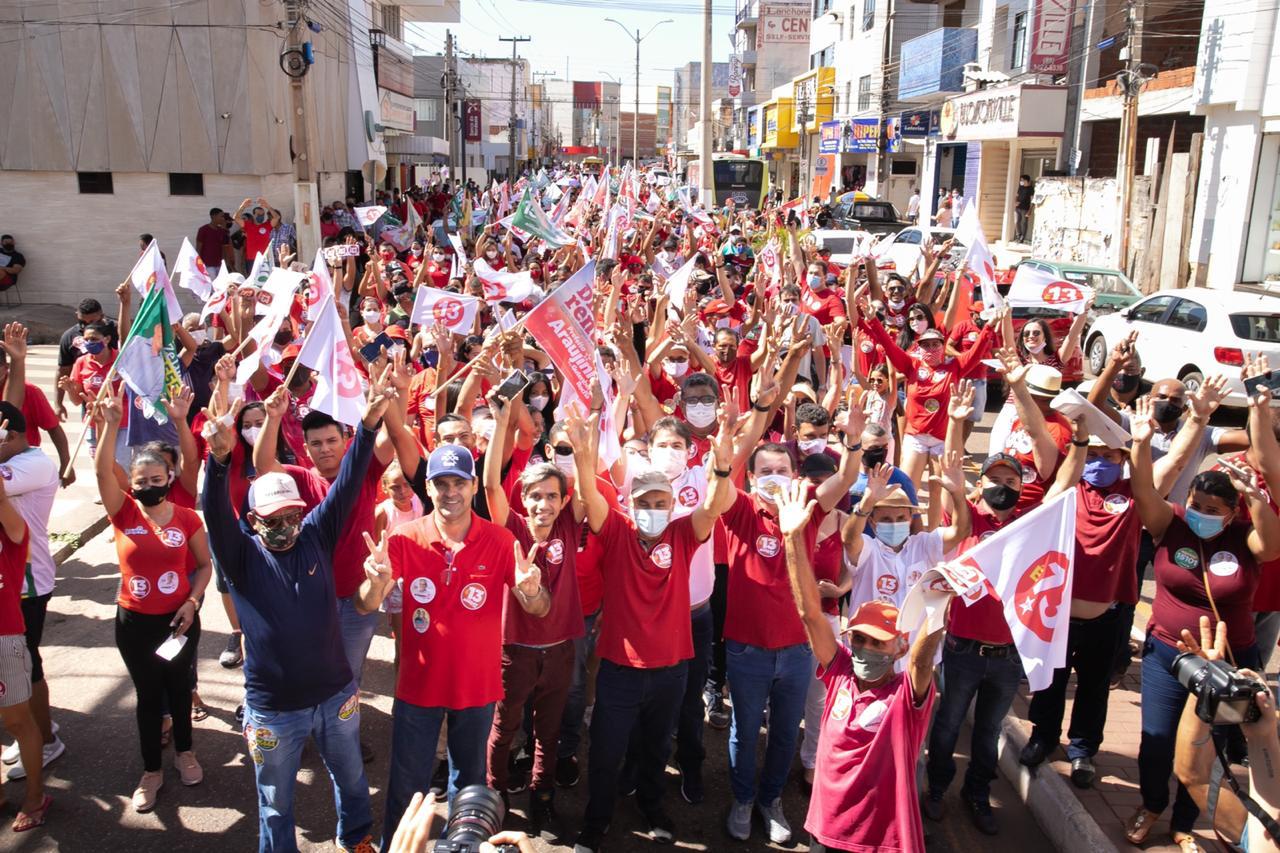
pixel 277 560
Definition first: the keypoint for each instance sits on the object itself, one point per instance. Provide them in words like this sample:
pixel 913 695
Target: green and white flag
pixel 148 361
pixel 530 217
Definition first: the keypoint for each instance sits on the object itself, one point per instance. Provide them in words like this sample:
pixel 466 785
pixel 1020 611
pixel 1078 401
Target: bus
pixel 592 165
pixel 743 179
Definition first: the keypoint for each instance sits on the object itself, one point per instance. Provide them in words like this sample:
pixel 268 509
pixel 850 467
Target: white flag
pixel 148 272
pixel 216 301
pixel 1035 288
pixel 503 286
pixel 338 390
pixel 678 283
pixel 275 300
pixel 979 259
pixel 366 216
pixel 458 263
pixel 453 310
pixel 194 275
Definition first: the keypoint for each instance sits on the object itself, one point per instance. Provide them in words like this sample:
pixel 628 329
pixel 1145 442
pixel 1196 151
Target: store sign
pixel 1005 113
pixel 860 135
pixel 473 121
pixel 1051 39
pixel 892 135
pixel 914 124
pixel 783 23
pixel 753 128
pixel 829 137
pixel 735 75
pixel 397 111
pixel 395 69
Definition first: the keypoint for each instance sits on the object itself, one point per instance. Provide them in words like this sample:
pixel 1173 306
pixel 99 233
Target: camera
pixel 1223 695
pixel 476 817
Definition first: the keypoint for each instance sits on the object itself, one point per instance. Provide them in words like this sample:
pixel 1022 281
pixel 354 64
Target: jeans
pixel 357 634
pixel 534 681
pixel 967 673
pixel 815 702
pixel 780 679
pixel 1163 698
pixel 1124 612
pixel 1020 226
pixel 275 742
pixel 575 707
pixel 414 732
pixel 689 750
pixel 627 699
pixel 1090 644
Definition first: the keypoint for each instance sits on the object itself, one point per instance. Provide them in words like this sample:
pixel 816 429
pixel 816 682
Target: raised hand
pixel 277 403
pixel 178 407
pixel 794 507
pixel 381 393
pixel 1255 366
pixel 960 407
pixel 1212 644
pixel 951 476
pixel 1205 400
pixel 1142 423
pixel 877 484
pixel 218 433
pixel 15 340
pixel 726 429
pixel 528 576
pixel 853 420
pixel 377 566
pixel 1011 366
pixel 108 408
pixel 1248 486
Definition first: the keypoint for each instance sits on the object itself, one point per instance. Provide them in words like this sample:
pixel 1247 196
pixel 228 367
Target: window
pixel 911 236
pixel 95 182
pixel 426 109
pixel 186 183
pixel 1264 328
pixel 1188 315
pixel 868 14
pixel 1018 52
pixel 1152 310
pixel 391 21
pixel 864 93
pixel 902 167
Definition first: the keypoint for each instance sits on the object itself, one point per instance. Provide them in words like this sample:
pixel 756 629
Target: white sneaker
pixel 11 755
pixel 775 821
pixel 740 821
pixel 51 751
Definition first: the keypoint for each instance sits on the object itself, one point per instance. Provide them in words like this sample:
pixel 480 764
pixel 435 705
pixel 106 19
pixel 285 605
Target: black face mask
pixel 873 456
pixel 150 495
pixel 1167 411
pixel 1126 383
pixel 1000 498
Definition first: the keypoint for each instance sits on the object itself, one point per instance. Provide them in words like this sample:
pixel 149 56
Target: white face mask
pixel 250 434
pixel 651 522
pixel 437 256
pixel 897 304
pixel 675 369
pixel 1036 348
pixel 199 336
pixel 539 403
pixel 371 316
pixel 810 446
pixel 769 486
pixel 918 326
pixel 395 349
pixel 699 415
pixel 491 253
pixel 670 461
pixel 565 464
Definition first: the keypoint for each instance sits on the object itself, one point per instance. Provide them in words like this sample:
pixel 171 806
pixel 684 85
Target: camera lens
pixel 477 815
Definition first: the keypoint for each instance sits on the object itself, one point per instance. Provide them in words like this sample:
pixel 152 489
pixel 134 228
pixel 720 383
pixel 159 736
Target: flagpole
pixel 106 383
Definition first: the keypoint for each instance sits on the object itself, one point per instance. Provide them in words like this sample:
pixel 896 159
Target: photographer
pixel 413 834
pixel 1194 758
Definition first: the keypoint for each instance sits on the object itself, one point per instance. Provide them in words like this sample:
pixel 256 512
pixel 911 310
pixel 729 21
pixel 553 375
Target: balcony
pixel 933 64
pixel 749 58
pixel 747 16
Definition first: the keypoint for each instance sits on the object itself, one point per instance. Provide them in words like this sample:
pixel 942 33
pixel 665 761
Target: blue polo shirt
pixel 898 476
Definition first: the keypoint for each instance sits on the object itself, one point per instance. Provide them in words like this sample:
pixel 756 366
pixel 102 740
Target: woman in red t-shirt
pixel 164 568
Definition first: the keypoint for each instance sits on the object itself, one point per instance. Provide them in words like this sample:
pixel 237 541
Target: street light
pixel 615 143
pixel 635 124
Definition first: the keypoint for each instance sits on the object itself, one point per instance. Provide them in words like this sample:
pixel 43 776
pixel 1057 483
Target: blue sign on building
pixel 934 62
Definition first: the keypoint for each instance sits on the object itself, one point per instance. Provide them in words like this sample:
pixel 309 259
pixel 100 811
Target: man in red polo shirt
pixel 454 569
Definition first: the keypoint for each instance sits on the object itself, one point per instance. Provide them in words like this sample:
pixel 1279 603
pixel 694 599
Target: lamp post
pixel 635 124
pixel 610 141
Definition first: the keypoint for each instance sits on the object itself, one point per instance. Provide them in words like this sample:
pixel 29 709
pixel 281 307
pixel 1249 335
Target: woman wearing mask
pixel 373 324
pixel 1035 345
pixel 1206 564
pixel 538 396
pixel 435 271
pixel 87 376
pixel 919 320
pixel 157 544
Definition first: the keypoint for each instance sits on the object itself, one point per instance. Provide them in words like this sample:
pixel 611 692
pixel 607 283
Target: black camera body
pixel 1223 695
pixel 476 817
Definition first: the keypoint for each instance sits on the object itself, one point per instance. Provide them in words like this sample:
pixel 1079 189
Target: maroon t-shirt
pixel 1108 530
pixel 557 561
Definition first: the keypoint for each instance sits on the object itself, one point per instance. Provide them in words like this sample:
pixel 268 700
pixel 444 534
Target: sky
pixel 576 32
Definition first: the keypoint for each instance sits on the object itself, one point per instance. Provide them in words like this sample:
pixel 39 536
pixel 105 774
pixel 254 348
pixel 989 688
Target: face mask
pixel 811 446
pixel 700 415
pixel 893 533
pixel 897 304
pixel 371 316
pixel 250 434
pixel 670 461
pixel 1036 348
pixel 279 538
pixel 199 336
pixel 933 357
pixel 651 522
pixel 395 349
pixel 94 347
pixel 1126 383
pixel 918 326
pixel 769 486
pixel 675 369
pixel 565 464
pixel 1167 411
pixel 539 403
pixel 437 256
pixel 1101 473
pixel 873 456
pixel 1000 498
pixel 816 282
pixel 150 495
pixel 869 665
pixel 1203 525
pixel 491 253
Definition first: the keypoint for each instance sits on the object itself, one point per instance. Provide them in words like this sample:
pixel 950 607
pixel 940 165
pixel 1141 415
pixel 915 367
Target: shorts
pixel 33 612
pixel 979 400
pixel 15 670
pixel 923 445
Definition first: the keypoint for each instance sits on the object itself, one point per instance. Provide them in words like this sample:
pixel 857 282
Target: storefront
pixel 778 145
pixel 813 95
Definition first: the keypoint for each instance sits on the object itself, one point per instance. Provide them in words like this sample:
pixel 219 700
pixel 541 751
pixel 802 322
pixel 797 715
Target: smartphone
pixel 512 385
pixel 1270 381
pixel 373 349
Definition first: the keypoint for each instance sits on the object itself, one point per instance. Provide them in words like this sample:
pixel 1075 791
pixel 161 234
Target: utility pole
pixel 707 190
pixel 511 125
pixel 804 143
pixel 305 201
pixel 1131 81
pixel 451 111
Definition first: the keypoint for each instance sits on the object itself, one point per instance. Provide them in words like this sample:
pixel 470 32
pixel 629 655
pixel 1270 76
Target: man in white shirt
pixel 913 205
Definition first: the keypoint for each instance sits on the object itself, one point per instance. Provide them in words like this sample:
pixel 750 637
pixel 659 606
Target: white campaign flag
pixel 219 291
pixel 275 300
pixel 148 272
pixel 194 275
pixel 458 263
pixel 338 390
pixel 366 216
pixel 453 310
pixel 503 286
pixel 1035 288
pixel 979 259
pixel 678 283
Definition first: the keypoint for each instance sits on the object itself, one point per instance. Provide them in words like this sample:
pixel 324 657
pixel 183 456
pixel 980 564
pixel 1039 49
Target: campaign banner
pixel 432 306
pixel 829 137
pixel 1035 288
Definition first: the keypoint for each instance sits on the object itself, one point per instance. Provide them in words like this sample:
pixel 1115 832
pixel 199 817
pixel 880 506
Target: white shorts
pixel 15 670
pixel 923 445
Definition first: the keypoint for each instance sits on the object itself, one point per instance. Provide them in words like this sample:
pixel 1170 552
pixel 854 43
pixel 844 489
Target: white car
pixel 905 251
pixel 841 243
pixel 1192 333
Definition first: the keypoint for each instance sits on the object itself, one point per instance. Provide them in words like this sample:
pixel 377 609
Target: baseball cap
pixel 977 307
pixel 274 492
pixel 394 331
pixel 877 619
pixel 451 460
pixel 931 335
pixel 290 352
pixel 716 306
pixel 1002 459
pixel 650 481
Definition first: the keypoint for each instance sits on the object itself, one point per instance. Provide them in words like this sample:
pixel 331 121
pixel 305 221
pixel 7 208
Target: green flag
pixel 530 217
pixel 148 361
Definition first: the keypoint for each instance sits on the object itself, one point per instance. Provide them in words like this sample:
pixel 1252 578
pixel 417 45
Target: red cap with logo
pixel 877 619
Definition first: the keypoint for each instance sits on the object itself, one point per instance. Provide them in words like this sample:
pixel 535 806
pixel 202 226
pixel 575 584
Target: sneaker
pixel 717 713
pixel 144 798
pixel 12 755
pixel 364 846
pixel 1082 772
pixel 691 784
pixel 740 821
pixel 232 656
pixel 188 768
pixel 588 841
pixel 518 782
pixel 239 718
pixel 982 816
pixel 775 821
pixel 1035 752
pixel 51 751
pixel 931 806
pixel 661 829
pixel 567 773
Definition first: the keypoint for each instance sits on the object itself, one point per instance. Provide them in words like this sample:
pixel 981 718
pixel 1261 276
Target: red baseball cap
pixel 877 619
pixel 394 330
pixel 290 352
pixel 717 306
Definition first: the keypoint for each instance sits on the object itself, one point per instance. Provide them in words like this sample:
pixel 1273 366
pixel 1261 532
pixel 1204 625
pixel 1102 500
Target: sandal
pixel 198 713
pixel 1139 826
pixel 1188 842
pixel 26 821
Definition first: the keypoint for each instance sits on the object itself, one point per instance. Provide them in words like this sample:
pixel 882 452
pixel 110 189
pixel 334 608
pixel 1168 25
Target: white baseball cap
pixel 274 492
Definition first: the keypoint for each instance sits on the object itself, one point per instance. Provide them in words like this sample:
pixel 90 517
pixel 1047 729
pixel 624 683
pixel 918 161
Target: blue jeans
pixel 776 677
pixel 357 634
pixel 629 699
pixel 275 741
pixel 689 750
pixel 414 733
pixel 1091 647
pixel 575 709
pixel 967 673
pixel 1163 698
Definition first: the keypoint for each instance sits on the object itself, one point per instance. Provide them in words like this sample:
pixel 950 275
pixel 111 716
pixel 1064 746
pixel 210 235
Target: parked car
pixel 903 250
pixel 878 217
pixel 1112 289
pixel 840 242
pixel 1189 334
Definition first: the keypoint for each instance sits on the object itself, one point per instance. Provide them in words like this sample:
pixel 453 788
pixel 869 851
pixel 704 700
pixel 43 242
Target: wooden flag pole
pixel 106 383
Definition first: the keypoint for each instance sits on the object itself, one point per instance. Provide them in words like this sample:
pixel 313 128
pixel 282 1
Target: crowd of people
pixel 773 452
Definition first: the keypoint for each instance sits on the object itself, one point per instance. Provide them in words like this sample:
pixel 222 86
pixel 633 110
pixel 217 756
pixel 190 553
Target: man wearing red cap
pixel 864 788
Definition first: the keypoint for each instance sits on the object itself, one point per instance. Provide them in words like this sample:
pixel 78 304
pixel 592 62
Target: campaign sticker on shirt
pixel 661 556
pixel 689 496
pixel 931 406
pixel 421 620
pixel 6 472
pixel 693 451
pixel 555 551
pixel 1115 504
pixel 1019 442
pixel 867 347
pixel 842 705
pixel 1186 558
pixel 139 587
pixel 872 716
pixel 349 707
pixel 923 373
pixel 265 738
pixel 887 584
pixel 168 583
pixel 473 596
pixel 767 545
pixel 173 537
pixel 1224 564
pixel 423 590
pixel 1029 474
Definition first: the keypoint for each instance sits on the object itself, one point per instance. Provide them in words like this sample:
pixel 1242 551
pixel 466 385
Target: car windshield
pixel 1263 328
pixel 878 210
pixel 839 245
pixel 1104 283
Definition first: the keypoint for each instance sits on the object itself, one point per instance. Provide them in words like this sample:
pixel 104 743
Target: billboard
pixel 1051 38
pixel 586 96
pixel 783 23
pixel 829 137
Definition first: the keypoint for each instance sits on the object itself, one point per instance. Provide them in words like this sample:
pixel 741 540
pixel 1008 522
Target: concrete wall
pixel 1075 219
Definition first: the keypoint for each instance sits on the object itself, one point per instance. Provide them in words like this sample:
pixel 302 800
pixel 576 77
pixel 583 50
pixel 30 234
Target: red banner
pixel 473 121
pixel 1052 36
pixel 586 96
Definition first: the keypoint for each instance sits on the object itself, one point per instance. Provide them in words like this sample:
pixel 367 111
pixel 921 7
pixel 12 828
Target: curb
pixel 83 536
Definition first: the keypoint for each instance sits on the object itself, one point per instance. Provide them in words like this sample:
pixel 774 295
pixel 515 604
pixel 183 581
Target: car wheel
pixel 1193 379
pixel 1097 354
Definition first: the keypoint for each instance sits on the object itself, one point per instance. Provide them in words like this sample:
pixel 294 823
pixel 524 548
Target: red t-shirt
pixel 737 373
pixel 422 402
pixel 1180 574
pixel 984 619
pixel 864 790
pixel 13 567
pixel 37 412
pixel 827 304
pixel 962 337
pixel 1266 598
pixel 439 273
pixel 828 559
pixel 868 354
pixel 451 632
pixel 349 553
pixel 90 374
pixel 1108 531
pixel 664 389
pixel 898 319
pixel 309 488
pixel 257 236
pixel 646 594
pixel 1019 444
pixel 557 559
pixel 153 563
